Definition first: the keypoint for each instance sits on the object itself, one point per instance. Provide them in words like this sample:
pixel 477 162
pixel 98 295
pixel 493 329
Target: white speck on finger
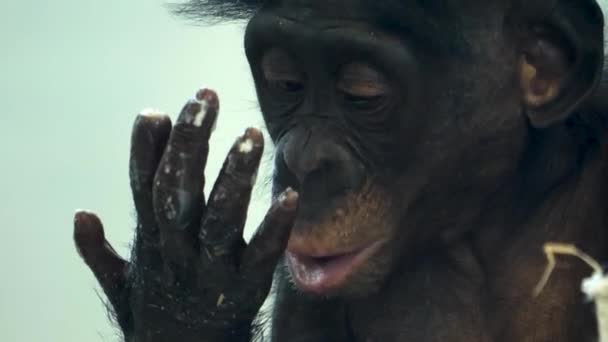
pixel 246 146
pixel 200 116
pixel 151 112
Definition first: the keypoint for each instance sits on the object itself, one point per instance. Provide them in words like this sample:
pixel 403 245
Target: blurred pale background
pixel 73 75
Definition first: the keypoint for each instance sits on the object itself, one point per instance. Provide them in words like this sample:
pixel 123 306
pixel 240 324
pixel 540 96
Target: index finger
pixel 270 240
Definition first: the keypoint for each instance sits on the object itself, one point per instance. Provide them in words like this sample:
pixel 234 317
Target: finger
pixel 221 232
pixel 178 186
pixel 109 268
pixel 148 140
pixel 270 240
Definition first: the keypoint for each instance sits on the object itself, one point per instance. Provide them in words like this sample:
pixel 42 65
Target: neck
pixel 568 206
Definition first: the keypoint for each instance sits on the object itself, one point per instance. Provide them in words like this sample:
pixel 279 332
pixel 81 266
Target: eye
pixel 362 86
pixel 281 73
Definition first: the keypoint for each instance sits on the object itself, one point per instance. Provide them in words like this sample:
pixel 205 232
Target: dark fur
pixel 466 275
pixel 203 10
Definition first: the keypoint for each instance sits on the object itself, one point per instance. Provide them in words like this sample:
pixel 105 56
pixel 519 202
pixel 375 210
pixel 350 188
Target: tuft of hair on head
pixel 214 11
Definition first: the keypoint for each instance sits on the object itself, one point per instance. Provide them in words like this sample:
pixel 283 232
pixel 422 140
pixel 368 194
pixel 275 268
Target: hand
pixel 191 276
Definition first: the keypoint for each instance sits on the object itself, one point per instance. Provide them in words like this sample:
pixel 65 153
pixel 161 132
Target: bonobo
pixel 425 150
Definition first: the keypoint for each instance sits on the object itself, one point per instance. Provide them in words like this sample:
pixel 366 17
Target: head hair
pixel 215 10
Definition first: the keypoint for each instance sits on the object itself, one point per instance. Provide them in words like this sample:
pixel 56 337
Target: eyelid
pixel 279 75
pixel 362 88
pixel 362 80
pixel 278 65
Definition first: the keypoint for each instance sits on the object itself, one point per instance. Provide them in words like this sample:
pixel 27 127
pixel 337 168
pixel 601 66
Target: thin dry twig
pixel 551 250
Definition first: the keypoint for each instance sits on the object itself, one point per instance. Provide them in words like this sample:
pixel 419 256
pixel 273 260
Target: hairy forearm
pixel 186 335
pixel 166 331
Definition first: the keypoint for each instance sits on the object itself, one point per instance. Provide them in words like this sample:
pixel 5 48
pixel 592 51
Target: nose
pixel 320 165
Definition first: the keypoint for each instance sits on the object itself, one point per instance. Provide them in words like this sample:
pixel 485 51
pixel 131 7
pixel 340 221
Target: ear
pixel 561 48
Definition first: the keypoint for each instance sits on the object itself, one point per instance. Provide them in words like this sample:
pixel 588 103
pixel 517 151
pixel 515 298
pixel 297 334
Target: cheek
pixel 470 158
pixel 468 129
pixel 492 143
pixel 458 171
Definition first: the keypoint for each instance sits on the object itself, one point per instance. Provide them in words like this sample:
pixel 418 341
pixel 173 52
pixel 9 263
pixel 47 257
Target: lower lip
pixel 326 275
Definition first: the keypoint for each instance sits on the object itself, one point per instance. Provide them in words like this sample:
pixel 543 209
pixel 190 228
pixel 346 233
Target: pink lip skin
pixel 320 275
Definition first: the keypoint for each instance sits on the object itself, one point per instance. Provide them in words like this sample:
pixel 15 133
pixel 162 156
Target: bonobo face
pixel 394 131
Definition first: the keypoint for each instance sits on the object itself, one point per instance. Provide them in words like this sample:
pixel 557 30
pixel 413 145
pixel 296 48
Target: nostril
pixel 322 170
pixel 307 163
pixel 317 165
pixel 320 173
pixel 284 174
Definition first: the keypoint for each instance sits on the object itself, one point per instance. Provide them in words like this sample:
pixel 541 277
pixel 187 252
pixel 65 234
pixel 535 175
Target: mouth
pixel 325 272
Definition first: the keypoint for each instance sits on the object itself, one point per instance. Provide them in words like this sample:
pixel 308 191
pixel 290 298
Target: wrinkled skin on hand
pixel 191 277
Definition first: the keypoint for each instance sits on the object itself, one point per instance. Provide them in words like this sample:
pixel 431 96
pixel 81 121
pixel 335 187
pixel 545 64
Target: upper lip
pixel 313 248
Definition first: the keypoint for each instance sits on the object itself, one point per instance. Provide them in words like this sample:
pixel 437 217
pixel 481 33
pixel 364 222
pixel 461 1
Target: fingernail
pixel 288 199
pixel 151 112
pixel 80 215
pixel 196 110
pixel 151 119
pixel 207 95
pixel 254 133
pixel 250 139
pixel 86 229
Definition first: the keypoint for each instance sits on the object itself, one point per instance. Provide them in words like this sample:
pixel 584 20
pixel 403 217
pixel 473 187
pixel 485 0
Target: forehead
pixel 355 10
pixel 433 22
